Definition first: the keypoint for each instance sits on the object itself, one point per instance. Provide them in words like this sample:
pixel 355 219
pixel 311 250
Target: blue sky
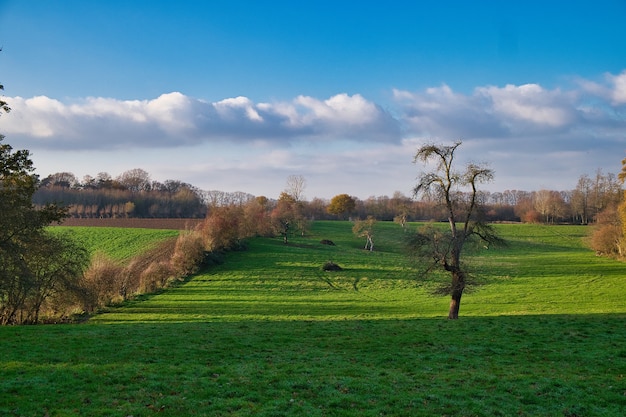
pixel 238 95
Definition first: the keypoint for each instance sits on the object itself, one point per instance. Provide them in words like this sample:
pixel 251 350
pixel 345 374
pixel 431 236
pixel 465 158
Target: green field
pixel 118 244
pixel 268 333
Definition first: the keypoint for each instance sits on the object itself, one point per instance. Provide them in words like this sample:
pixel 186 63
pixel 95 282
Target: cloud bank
pixel 535 137
pixel 174 119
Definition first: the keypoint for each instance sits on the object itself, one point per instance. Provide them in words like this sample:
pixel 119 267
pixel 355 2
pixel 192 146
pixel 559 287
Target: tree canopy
pixel 341 205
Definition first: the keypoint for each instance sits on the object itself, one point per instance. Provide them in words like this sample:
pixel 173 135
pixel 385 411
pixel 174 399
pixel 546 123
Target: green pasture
pixel 116 243
pixel 268 333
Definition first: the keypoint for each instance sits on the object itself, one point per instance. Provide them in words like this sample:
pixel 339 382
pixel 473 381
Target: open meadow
pixel 268 333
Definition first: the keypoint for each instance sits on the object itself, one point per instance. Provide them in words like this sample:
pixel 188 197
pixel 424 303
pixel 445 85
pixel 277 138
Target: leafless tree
pixel 458 193
pixel 295 187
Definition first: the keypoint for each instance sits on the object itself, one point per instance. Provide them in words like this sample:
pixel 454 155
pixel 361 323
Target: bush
pixel 221 229
pixel 331 266
pixel 156 276
pixel 101 283
pixel 188 254
pixel 531 216
pixel 606 239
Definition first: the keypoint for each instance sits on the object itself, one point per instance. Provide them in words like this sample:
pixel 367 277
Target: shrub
pixel 531 216
pixel 188 254
pixel 155 276
pixel 101 283
pixel 221 229
pixel 605 240
pixel 331 266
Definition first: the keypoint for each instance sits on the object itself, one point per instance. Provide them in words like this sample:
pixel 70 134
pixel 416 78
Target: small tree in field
pixel 285 216
pixel 365 228
pixel 457 191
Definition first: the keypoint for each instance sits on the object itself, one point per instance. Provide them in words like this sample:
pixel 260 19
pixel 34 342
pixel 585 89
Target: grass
pixel 116 243
pixel 268 333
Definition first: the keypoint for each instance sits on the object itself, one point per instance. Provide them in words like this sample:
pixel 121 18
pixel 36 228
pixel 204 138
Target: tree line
pixel 134 194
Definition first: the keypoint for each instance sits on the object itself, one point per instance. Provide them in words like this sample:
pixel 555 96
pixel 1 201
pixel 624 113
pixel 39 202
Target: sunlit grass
pixel 542 270
pixel 116 243
pixel 268 333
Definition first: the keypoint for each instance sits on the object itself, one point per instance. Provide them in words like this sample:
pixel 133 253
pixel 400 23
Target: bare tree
pixel 135 180
pixel 457 192
pixel 295 187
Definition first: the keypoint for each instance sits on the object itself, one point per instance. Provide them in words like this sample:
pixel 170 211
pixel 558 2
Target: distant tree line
pixel 131 194
pixel 134 194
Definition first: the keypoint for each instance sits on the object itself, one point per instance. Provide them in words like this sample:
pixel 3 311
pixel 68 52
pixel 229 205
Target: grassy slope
pixel 269 334
pixel 118 244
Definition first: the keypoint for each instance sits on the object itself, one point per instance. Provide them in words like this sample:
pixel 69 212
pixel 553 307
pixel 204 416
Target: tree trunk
pixel 455 304
pixel 458 284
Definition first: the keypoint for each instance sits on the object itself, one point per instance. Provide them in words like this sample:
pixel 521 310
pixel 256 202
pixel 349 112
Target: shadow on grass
pixel 479 366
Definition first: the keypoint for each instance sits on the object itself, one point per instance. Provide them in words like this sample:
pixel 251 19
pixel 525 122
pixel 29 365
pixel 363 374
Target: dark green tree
pixel 29 255
pixel 441 248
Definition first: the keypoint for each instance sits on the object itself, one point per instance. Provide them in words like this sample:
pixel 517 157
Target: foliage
pixel 295 187
pixel 365 228
pixel 607 237
pixel 4 106
pixel 223 228
pixel 107 282
pixel 131 195
pixel 100 284
pixel 128 262
pixel 341 205
pixel 52 267
pixel 288 217
pixel 188 254
pixel 34 265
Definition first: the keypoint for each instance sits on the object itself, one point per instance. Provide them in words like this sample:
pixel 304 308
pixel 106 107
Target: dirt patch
pixel 170 224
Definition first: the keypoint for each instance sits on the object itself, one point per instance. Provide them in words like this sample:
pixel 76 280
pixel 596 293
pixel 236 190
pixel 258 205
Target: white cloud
pixel 531 103
pixel 490 112
pixel 619 88
pixel 612 90
pixel 174 119
pixel 231 109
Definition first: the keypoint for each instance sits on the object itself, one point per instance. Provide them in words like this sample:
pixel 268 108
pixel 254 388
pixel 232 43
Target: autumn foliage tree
pixel 365 228
pixel 341 205
pixel 288 217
